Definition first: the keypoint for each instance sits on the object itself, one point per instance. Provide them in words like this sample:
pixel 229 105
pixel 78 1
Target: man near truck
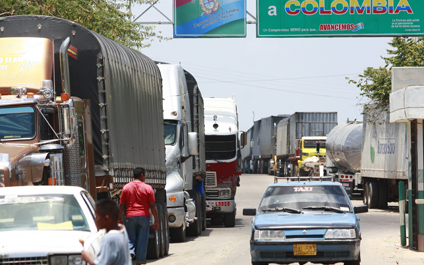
pixel 137 198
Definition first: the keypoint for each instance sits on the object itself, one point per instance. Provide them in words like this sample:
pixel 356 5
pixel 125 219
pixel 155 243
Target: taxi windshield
pixel 17 123
pixel 41 212
pixel 304 197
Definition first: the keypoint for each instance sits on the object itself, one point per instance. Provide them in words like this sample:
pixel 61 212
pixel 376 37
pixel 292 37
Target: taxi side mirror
pixel 249 211
pixel 360 209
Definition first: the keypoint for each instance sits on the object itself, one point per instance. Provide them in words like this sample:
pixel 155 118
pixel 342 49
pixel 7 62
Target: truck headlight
pixel 66 260
pixel 225 193
pixel 340 233
pixel 268 235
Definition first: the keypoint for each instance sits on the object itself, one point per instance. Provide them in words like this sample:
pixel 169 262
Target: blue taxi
pixel 305 221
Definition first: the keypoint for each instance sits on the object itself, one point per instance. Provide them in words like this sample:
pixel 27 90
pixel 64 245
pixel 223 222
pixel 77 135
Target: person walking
pixel 137 198
pixel 114 249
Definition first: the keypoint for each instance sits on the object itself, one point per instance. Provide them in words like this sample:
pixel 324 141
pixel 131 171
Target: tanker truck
pixel 185 165
pixel 343 160
pixel 372 157
pixel 79 109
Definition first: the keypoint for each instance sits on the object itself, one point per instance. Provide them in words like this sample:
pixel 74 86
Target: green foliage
pixel 107 17
pixel 375 83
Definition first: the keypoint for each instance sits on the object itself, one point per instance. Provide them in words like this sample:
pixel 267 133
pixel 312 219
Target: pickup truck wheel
pixel 195 228
pixel 153 247
pixel 230 219
pixel 166 228
pixel 177 234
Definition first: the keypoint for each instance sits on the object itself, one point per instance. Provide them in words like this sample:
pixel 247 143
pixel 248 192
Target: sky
pixel 271 76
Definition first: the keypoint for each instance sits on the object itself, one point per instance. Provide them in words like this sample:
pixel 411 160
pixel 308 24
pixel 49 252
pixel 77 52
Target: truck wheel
pixel 161 229
pixel 166 229
pixel 153 247
pixel 177 234
pixel 195 228
pixel 373 195
pixel 230 219
pixel 203 212
pixel 382 195
pixel 365 193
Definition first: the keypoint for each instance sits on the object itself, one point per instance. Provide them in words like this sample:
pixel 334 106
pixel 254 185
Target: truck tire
pixel 195 228
pixel 153 247
pixel 230 219
pixel 166 228
pixel 178 234
pixel 204 212
pixel 161 229
pixel 382 195
pixel 373 195
pixel 365 193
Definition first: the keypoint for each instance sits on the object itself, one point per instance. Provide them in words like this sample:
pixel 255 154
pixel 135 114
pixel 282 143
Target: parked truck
pixel 246 153
pixel 222 159
pixel 185 165
pixel 79 109
pixel 264 144
pixel 384 158
pixel 298 137
pixel 343 160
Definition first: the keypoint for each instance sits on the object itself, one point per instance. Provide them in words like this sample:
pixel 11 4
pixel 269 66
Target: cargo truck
pixel 298 137
pixel 222 159
pixel 264 144
pixel 384 158
pixel 79 109
pixel 185 165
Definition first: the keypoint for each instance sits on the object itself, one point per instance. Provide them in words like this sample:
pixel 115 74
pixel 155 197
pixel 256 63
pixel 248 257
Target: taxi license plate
pixel 304 249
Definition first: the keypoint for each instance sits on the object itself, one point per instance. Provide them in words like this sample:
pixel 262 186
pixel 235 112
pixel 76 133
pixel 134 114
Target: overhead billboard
pixel 209 18
pixel 339 18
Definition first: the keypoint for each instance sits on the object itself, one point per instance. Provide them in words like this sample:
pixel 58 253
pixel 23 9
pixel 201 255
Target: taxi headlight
pixel 340 233
pixel 268 235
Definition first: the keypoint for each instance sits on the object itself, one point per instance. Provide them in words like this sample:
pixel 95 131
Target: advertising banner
pixel 339 18
pixel 209 18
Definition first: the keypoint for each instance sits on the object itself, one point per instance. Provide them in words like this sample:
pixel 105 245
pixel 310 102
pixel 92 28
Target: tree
pixel 375 83
pixel 107 17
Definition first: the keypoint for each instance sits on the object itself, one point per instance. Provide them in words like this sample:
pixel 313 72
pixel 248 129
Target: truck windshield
pixel 220 147
pixel 170 130
pixel 313 144
pixel 17 122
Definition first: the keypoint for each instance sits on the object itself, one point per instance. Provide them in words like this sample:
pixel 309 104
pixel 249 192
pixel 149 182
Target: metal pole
pixel 402 213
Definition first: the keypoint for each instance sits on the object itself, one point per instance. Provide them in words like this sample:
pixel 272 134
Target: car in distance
pixel 305 221
pixel 43 224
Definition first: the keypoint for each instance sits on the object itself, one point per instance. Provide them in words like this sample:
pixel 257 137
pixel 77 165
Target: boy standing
pixel 114 249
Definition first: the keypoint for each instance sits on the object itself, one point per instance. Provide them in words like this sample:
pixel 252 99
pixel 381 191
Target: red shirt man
pixel 137 198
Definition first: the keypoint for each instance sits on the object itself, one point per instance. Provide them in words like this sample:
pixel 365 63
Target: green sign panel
pixel 339 18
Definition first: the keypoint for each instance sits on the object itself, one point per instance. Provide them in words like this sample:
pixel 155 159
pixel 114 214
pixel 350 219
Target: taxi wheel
pixel 259 263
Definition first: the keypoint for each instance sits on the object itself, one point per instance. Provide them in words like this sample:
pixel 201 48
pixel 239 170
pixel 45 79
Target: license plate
pixel 304 249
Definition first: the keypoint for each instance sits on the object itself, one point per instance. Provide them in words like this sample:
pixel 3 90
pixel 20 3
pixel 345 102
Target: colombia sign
pixel 339 18
pixel 210 18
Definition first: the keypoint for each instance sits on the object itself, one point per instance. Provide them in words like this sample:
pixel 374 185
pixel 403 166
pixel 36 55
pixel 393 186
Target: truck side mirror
pixel 192 144
pixel 243 139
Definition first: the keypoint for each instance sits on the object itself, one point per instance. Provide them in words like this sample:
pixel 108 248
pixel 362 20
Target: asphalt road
pixel 222 245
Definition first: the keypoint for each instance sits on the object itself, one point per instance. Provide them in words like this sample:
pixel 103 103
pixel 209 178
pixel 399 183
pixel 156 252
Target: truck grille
pixel 210 179
pixel 24 261
pixel 212 193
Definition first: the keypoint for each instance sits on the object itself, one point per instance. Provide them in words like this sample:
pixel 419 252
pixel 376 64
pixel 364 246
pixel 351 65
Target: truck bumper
pixel 177 216
pixel 220 206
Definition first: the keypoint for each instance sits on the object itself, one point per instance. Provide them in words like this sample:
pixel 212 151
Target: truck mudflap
pixel 223 206
pixel 348 185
